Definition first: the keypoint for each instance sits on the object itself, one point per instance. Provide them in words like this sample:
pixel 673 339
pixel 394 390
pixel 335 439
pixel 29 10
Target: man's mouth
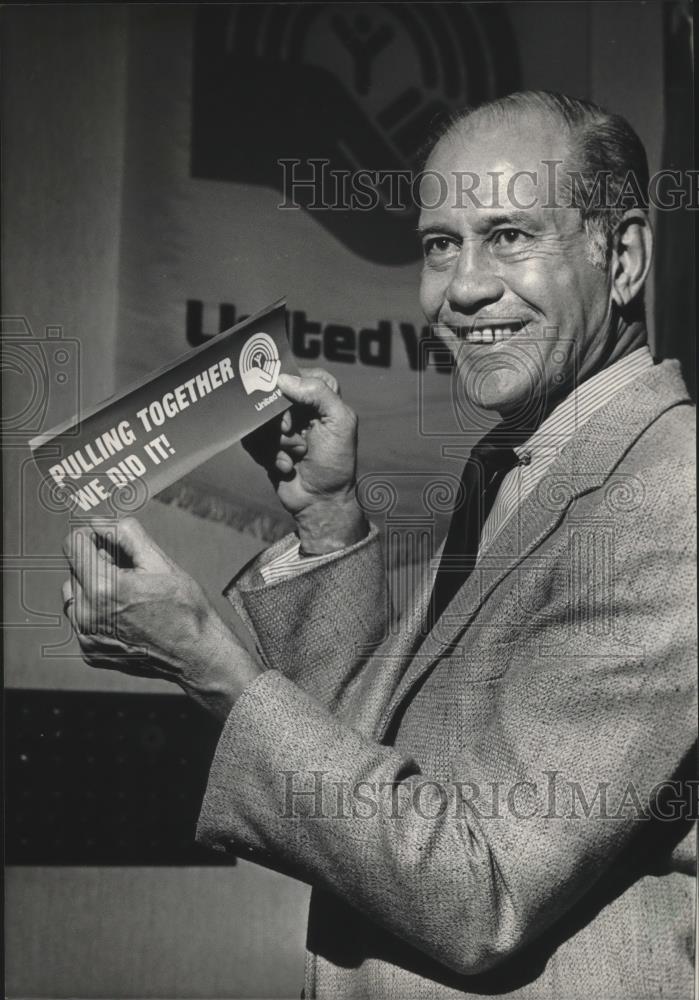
pixel 490 333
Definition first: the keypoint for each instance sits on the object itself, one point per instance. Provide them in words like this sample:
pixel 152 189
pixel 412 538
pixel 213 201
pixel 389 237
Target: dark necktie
pixel 483 473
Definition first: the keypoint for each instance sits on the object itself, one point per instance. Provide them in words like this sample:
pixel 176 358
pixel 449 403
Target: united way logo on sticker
pixel 259 364
pixel 338 90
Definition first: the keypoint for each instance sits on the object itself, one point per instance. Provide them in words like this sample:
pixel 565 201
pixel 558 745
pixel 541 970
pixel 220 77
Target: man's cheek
pixel 425 298
pixel 536 281
pixel 433 289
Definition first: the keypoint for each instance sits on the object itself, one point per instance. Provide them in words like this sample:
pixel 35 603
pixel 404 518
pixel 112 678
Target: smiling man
pixel 494 800
pixel 517 278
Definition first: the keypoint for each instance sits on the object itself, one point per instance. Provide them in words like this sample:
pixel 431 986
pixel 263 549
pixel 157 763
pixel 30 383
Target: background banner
pixel 237 136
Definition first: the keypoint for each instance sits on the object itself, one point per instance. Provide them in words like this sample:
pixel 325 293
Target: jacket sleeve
pixel 318 627
pixel 583 736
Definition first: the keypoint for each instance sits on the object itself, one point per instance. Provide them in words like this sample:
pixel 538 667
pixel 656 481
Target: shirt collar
pixel 576 409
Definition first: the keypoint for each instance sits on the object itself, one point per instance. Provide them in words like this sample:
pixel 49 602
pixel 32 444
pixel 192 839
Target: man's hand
pixel 310 455
pixel 134 610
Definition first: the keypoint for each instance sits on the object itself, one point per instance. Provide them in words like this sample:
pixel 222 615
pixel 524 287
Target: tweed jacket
pixel 501 805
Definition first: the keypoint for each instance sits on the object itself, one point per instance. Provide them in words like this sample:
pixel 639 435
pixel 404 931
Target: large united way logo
pixel 315 95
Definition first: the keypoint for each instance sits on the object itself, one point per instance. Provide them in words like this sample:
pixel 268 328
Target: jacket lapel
pixel 584 464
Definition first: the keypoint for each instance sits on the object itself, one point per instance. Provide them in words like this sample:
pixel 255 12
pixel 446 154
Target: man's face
pixel 508 281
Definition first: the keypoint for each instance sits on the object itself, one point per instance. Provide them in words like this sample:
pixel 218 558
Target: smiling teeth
pixel 491 334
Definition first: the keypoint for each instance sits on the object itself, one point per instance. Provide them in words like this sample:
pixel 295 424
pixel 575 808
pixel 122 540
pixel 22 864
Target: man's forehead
pixel 486 155
pixel 520 142
pixel 484 169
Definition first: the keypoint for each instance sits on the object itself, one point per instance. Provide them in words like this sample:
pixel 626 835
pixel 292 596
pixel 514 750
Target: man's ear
pixel 632 252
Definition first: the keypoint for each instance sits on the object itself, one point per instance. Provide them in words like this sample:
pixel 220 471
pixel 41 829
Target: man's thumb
pixel 311 391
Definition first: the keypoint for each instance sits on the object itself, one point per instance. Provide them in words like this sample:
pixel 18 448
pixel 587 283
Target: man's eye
pixel 509 237
pixel 437 246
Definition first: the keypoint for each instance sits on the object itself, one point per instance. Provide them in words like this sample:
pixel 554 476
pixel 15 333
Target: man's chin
pixel 503 396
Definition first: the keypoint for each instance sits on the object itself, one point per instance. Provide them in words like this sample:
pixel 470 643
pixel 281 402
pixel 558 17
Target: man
pixel 494 800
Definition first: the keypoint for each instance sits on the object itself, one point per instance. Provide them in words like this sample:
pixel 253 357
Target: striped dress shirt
pixel 554 433
pixel 535 456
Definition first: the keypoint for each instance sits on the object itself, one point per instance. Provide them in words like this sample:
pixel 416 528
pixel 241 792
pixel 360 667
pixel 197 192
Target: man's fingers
pixel 324 376
pixel 134 541
pixel 295 440
pixel 284 462
pixel 313 392
pixel 72 548
pixel 68 598
pixel 75 605
pixel 98 556
pixel 87 565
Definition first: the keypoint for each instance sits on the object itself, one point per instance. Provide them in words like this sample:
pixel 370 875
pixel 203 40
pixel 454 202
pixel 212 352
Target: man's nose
pixel 474 284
